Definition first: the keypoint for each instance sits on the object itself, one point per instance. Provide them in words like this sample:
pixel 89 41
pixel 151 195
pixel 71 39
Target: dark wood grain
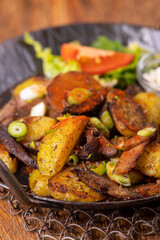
pixel 17 16
pixel 12 227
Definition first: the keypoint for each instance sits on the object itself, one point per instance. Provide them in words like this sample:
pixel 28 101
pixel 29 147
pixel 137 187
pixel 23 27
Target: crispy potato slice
pixel 65 186
pixel 38 184
pixel 150 104
pixel 127 115
pixel 127 160
pixel 149 161
pixel 40 81
pixel 10 161
pixel 56 146
pixel 63 83
pixel 37 127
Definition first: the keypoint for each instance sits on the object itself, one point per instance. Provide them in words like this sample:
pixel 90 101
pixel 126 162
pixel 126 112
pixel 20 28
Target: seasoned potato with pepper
pixel 65 186
pixel 150 104
pixel 37 127
pixel 127 115
pixel 149 162
pixel 56 146
pixel 39 184
pixel 10 161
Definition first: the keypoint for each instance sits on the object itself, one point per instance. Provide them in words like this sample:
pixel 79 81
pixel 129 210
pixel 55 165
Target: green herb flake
pixel 90 155
pixel 32 144
pixel 116 97
pixel 49 131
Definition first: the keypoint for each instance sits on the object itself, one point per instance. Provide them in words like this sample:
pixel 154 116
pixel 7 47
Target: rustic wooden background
pixel 17 16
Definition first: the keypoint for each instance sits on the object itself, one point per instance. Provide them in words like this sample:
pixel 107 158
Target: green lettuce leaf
pixel 52 64
pixel 107 44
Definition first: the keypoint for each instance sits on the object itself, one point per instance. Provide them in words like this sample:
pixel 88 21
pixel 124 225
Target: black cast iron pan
pixel 18 62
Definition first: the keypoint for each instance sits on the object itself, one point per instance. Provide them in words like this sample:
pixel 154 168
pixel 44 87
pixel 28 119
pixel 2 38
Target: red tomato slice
pixel 94 60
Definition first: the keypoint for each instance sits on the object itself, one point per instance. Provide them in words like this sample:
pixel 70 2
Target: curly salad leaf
pixel 52 64
pixel 123 76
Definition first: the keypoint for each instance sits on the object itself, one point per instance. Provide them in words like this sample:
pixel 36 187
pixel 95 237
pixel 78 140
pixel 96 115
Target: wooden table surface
pixel 17 16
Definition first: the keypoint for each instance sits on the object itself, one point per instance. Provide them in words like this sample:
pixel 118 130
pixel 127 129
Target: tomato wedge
pixel 94 60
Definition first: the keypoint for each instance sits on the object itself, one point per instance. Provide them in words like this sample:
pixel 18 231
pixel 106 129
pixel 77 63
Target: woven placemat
pixel 132 223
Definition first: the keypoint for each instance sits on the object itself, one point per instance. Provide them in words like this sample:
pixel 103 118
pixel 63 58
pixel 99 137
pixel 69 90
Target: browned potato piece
pixel 149 162
pixel 38 184
pixel 37 127
pixel 127 115
pixel 63 83
pixel 65 186
pixel 40 81
pixel 150 104
pixel 11 162
pixel 56 146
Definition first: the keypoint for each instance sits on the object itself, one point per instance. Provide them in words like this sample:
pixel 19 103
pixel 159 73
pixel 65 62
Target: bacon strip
pixel 127 161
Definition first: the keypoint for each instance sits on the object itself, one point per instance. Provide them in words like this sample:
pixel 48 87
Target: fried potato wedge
pixel 11 162
pixel 63 83
pixel 127 115
pixel 37 127
pixel 149 161
pixel 56 146
pixel 65 186
pixel 38 184
pixel 127 160
pixel 150 104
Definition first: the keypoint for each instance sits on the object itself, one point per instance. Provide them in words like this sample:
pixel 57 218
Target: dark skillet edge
pixel 49 202
pixel 31 200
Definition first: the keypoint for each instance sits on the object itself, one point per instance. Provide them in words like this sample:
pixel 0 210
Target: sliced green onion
pixel 107 120
pixel 90 155
pixel 17 129
pixel 64 116
pixel 124 180
pixel 78 95
pixel 72 160
pixel 101 169
pixel 99 125
pixel 145 132
pixel 49 131
pixel 32 144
